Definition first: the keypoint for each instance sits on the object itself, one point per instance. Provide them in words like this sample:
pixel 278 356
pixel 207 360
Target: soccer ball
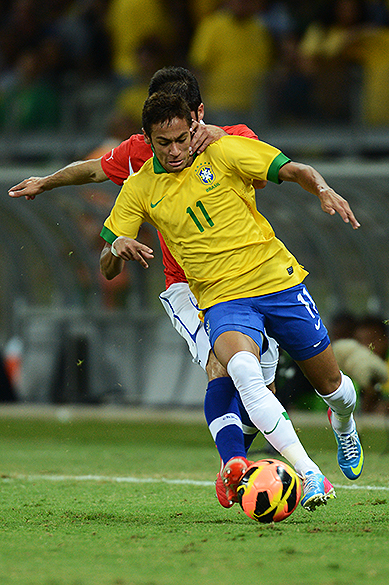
pixel 269 491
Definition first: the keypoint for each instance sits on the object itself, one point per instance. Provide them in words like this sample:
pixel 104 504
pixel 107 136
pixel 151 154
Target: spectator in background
pixel 326 48
pixel 30 101
pixel 372 332
pixel 130 100
pixel 129 23
pixel 348 55
pixel 360 347
pixel 232 53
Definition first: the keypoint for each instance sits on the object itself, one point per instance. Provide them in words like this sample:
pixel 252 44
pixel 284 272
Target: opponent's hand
pixel 28 188
pixel 203 135
pixel 129 249
pixel 333 203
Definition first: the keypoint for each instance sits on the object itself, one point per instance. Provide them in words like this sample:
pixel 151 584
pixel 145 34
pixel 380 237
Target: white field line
pixel 113 479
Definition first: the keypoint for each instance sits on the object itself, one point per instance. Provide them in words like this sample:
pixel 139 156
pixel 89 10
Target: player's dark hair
pixel 163 107
pixel 177 80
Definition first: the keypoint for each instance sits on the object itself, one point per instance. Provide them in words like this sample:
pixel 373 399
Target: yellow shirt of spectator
pixel 207 215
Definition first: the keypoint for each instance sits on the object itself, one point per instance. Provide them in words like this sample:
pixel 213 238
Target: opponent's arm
pixel 311 180
pixel 77 173
pixel 203 135
pixel 127 249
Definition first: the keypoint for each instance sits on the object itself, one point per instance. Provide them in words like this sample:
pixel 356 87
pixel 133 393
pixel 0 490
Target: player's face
pixel 171 143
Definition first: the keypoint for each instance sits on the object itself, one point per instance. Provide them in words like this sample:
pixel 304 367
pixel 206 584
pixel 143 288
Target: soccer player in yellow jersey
pixel 242 276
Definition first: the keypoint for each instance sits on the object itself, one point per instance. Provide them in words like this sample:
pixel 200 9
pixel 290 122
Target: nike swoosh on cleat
pixel 357 470
pixel 155 204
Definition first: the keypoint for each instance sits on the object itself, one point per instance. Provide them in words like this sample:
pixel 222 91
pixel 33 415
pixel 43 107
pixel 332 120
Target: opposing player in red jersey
pixel 229 424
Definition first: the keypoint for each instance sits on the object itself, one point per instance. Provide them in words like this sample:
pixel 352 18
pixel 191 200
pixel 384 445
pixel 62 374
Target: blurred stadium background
pixel 71 88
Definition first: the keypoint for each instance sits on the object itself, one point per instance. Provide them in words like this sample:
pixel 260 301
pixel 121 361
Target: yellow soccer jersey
pixel 208 218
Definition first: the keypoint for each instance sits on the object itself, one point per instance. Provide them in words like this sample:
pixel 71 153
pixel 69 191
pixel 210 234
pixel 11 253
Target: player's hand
pixel 28 188
pixel 333 203
pixel 129 249
pixel 203 135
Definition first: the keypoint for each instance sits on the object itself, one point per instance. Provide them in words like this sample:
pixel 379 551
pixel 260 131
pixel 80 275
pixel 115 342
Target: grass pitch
pixel 96 502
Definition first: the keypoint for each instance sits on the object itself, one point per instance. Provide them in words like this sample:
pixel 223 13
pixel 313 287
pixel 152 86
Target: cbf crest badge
pixel 205 173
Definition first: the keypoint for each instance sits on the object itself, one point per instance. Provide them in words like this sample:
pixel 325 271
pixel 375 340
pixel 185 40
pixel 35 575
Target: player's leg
pixel 221 408
pixel 338 392
pixel 180 305
pixel 220 405
pixel 297 326
pixel 239 352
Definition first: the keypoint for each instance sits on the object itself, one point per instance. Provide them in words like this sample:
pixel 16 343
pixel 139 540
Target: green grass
pixel 73 531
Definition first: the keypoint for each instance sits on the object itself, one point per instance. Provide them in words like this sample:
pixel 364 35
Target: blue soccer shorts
pixel 290 316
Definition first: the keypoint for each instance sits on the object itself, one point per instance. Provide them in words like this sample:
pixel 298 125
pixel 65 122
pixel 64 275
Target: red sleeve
pixel 173 271
pixel 126 159
pixel 240 130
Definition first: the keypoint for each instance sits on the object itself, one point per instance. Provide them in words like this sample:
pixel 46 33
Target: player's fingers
pixel 353 220
pixel 14 192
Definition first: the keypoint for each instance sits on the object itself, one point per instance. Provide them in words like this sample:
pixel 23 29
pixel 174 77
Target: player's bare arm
pixel 126 249
pixel 203 135
pixel 311 180
pixel 77 173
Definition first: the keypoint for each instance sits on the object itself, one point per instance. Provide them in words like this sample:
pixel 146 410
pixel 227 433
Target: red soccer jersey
pixel 128 158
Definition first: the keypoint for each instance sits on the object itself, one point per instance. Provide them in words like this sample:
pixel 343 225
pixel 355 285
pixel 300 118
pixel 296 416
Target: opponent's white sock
pixel 342 403
pixel 266 412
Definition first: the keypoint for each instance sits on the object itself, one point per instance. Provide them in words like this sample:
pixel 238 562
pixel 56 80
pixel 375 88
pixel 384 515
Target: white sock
pixel 297 457
pixel 342 403
pixel 265 410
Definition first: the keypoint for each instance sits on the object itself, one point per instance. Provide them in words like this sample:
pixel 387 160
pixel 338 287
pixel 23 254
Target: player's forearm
pixel 311 180
pixel 110 265
pixel 306 176
pixel 77 173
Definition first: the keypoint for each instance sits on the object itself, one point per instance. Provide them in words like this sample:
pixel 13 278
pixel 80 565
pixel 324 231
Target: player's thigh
pixel 229 343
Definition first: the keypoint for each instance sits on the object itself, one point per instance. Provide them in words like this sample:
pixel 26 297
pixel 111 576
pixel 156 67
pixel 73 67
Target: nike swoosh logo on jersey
pixel 317 325
pixel 155 204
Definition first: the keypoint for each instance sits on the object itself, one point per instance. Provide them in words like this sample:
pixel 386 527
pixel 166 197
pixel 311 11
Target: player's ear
pixel 200 112
pixel 147 139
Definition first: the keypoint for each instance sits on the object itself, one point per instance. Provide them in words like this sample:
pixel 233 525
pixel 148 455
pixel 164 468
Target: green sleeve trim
pixel 107 235
pixel 277 163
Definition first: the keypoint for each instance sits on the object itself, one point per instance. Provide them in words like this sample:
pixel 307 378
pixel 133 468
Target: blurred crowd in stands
pixel 83 64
